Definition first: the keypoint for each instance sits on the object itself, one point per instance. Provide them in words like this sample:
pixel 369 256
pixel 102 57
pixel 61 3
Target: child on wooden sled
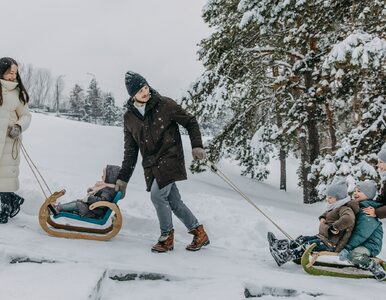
pixel 335 228
pixel 366 239
pixel 102 191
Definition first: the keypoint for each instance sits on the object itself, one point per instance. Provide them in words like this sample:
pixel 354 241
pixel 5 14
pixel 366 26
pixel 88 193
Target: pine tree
pixel 110 111
pixel 232 89
pixel 77 101
pixel 94 100
pixel 357 64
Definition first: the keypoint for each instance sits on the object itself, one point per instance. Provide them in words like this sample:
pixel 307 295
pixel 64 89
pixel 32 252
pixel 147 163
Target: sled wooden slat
pixel 78 232
pixel 314 267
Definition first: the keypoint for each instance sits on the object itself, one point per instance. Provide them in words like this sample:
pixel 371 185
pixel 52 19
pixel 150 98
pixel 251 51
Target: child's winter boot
pixel 279 249
pixel 277 244
pixel 165 243
pixel 377 270
pixel 284 250
pixel 200 239
pixel 5 208
pixel 53 209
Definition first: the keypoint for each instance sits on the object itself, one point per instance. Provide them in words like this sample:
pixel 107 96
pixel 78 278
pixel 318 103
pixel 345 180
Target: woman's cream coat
pixel 12 111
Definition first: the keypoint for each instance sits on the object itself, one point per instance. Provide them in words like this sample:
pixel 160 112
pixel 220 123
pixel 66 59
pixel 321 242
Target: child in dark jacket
pixel 102 191
pixel 335 228
pixel 366 239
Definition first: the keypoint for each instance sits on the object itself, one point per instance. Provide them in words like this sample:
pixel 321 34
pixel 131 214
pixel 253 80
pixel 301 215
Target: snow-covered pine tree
pixel 265 67
pixel 233 89
pixel 77 101
pixel 304 34
pixel 109 110
pixel 94 99
pixel 357 65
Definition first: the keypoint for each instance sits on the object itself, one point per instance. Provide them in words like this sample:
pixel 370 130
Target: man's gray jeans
pixel 168 200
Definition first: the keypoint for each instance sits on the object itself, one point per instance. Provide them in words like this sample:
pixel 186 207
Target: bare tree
pixel 38 83
pixel 59 87
pixel 26 74
pixel 42 88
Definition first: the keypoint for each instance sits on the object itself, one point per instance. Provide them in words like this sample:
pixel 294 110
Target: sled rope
pixel 218 172
pixel 15 153
pixel 34 170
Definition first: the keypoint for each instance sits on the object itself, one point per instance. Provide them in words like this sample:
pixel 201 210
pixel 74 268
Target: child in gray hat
pixel 336 225
pixel 366 239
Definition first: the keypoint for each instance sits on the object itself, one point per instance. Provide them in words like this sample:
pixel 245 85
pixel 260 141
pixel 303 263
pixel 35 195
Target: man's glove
pixel 120 186
pixel 343 255
pixel 198 153
pixel 14 131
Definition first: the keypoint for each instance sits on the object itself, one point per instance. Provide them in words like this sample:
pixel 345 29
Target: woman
pixel 381 211
pixel 15 118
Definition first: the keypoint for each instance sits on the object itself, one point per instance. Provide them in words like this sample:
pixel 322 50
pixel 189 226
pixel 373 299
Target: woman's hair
pixel 5 64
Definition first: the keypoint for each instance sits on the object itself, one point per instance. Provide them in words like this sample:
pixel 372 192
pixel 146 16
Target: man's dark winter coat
pixel 157 136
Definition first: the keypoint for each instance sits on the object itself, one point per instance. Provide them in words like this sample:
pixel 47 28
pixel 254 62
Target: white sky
pixel 155 38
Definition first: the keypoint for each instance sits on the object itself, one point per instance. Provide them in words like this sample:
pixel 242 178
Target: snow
pixel 71 155
pixel 363 49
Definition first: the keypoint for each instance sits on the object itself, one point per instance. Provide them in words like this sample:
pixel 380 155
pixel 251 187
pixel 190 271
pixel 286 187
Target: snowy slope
pixel 69 156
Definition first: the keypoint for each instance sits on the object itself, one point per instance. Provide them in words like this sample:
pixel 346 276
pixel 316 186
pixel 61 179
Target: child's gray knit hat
pixel 337 189
pixel 368 187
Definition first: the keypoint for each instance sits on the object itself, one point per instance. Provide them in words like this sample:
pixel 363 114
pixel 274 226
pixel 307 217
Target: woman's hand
pixel 370 211
pixel 14 131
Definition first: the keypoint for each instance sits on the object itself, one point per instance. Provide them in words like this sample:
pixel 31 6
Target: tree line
pixel 90 105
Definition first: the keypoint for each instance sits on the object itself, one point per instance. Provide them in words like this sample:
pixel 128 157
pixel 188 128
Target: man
pixel 151 126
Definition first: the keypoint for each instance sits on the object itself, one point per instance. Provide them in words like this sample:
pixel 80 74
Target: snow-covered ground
pixel 70 156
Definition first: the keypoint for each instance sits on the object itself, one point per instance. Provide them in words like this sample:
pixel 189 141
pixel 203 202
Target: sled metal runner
pixel 311 265
pixel 48 224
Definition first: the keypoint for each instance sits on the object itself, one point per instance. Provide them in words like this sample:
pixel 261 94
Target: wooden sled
pixel 311 265
pixel 48 224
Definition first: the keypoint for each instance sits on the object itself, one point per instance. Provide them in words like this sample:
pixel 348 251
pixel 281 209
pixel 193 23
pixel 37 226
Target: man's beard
pixel 143 102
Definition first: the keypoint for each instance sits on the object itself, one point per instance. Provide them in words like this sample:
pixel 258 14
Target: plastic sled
pixel 95 229
pixel 311 265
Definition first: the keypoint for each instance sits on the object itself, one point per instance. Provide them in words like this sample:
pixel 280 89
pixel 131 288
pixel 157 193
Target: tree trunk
pixel 331 128
pixel 282 154
pixel 283 171
pixel 304 169
pixel 313 138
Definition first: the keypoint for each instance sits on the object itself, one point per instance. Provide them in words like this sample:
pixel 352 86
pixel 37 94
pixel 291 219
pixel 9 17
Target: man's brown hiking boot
pixel 200 239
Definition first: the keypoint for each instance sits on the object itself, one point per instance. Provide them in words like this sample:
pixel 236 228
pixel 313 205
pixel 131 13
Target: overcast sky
pixel 156 38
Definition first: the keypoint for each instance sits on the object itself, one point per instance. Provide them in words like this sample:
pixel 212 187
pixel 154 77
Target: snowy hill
pixel 69 156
